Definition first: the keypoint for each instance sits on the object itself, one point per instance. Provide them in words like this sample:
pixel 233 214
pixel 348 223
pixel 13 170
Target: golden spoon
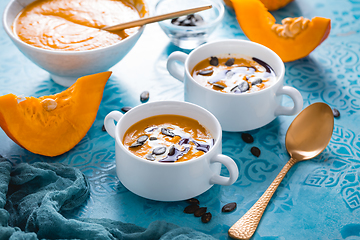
pixel 157 18
pixel 307 136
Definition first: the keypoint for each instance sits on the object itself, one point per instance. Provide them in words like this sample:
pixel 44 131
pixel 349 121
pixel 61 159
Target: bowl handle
pixel 295 95
pixel 230 165
pixel 174 69
pixel 109 122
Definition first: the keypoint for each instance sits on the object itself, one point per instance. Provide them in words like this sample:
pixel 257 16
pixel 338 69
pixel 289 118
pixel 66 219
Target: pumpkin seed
pixel 171 150
pixel 205 72
pixel 243 86
pixel 142 139
pixel 218 85
pixel 150 157
pixel 255 151
pixel 126 109
pixel 264 64
pixel 246 137
pixel 336 112
pixel 153 138
pixel 230 62
pixel 159 150
pixel 49 104
pixel 206 217
pixel 214 61
pixel 167 132
pixel 229 207
pixel 193 201
pixel 136 144
pixel 255 80
pixel 144 96
pixel 103 128
pixel 200 211
pixel 191 208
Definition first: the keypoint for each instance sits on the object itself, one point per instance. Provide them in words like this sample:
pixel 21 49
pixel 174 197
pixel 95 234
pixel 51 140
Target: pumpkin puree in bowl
pixel 75 25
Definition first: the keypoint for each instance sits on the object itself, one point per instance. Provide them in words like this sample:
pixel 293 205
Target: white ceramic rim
pixel 17 40
pixel 197 28
pixel 220 42
pixel 174 164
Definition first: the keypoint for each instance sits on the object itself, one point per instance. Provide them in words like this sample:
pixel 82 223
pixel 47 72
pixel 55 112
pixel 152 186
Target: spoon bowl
pixel 307 136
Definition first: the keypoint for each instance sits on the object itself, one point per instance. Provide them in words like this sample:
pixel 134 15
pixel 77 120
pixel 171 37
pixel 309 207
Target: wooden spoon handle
pixel 157 18
pixel 245 227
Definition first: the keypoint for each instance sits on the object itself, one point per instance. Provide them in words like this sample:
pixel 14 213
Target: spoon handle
pixel 245 227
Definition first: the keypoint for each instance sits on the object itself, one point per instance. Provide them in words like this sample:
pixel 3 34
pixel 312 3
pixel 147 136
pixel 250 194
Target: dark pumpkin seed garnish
pixel 229 207
pixel 167 132
pixel 153 138
pixel 218 85
pixel 191 208
pixel 255 80
pixel 171 150
pixel 126 109
pixel 255 151
pixel 193 201
pixel 142 139
pixel 159 150
pixel 103 128
pixel 206 217
pixel 246 137
pixel 264 64
pixel 150 157
pixel 230 62
pixel 336 112
pixel 214 61
pixel 205 72
pixel 144 96
pixel 200 211
pixel 136 144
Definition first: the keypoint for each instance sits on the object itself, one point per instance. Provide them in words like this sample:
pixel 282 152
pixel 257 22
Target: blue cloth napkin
pixel 32 197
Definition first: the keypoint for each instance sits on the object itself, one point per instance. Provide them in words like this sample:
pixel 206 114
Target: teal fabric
pixel 33 196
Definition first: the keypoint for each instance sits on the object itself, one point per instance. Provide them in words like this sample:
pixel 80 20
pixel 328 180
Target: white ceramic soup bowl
pixel 65 67
pixel 236 112
pixel 169 181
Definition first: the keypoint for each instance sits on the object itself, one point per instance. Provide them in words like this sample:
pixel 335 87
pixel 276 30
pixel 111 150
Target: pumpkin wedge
pixel 271 5
pixel 52 125
pixel 295 38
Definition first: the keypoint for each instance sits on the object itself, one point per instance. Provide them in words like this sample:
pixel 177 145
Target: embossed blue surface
pixel 318 199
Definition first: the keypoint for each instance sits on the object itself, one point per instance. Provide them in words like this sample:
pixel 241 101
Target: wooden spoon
pixel 307 136
pixel 158 18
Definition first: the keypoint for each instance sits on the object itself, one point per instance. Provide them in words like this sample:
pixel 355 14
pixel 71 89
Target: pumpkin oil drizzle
pixel 290 27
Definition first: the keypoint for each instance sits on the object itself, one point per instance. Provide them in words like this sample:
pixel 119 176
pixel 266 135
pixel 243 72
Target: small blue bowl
pixel 189 37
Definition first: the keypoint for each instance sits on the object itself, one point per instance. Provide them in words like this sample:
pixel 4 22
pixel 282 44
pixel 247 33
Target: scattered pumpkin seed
pixel 246 137
pixel 49 104
pixel 144 96
pixel 229 207
pixel 200 211
pixel 153 138
pixel 336 112
pixel 206 217
pixel 191 208
pixel 218 85
pixel 142 139
pixel 159 150
pixel 167 132
pixel 136 144
pixel 205 72
pixel 255 151
pixel 103 128
pixel 193 201
pixel 171 150
pixel 126 109
pixel 150 157
pixel 214 61
pixel 255 80
pixel 230 62
pixel 243 86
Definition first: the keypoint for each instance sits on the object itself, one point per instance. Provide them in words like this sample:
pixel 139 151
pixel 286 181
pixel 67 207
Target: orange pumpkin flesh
pixel 256 23
pixel 53 132
pixel 271 5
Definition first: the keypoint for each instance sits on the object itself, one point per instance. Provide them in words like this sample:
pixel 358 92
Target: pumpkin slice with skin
pixel 52 125
pixel 295 38
pixel 271 5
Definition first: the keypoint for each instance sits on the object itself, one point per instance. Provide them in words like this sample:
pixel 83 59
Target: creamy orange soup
pixel 168 138
pixel 74 25
pixel 234 73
